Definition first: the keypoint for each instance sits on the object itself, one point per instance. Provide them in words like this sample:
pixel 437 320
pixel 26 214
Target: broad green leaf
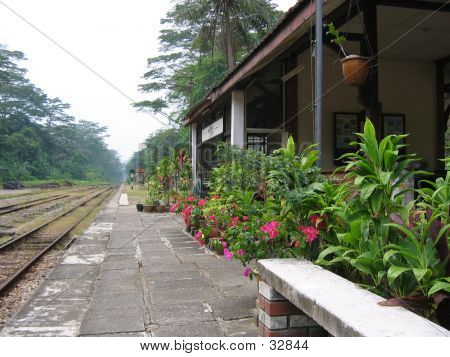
pixel 388 255
pixel 359 180
pixel 439 286
pixel 384 177
pixel 394 272
pixel 376 200
pixel 421 273
pixel 367 189
pixel 390 157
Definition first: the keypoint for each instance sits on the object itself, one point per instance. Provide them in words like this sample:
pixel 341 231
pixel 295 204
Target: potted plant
pixel 139 206
pixel 217 245
pixel 355 68
pixel 153 194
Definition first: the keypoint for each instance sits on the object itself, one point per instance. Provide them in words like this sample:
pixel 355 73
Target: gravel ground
pixel 11 301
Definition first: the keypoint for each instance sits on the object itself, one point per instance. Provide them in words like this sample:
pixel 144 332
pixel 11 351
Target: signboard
pixel 212 130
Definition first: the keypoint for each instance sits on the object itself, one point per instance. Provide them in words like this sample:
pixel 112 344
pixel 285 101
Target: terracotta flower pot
pixel 214 233
pixel 355 69
pixel 160 209
pixel 149 208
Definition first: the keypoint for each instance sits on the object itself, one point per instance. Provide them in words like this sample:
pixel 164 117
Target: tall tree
pixel 200 43
pixel 227 25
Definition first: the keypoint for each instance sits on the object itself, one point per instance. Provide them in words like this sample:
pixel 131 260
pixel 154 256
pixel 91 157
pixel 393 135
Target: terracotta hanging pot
pixel 355 69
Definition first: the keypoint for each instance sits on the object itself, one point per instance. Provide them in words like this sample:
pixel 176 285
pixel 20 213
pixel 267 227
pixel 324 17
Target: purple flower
pixel 227 254
pixel 247 272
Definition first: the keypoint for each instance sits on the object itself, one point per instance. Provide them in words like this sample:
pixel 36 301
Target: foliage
pixel 39 140
pixel 164 142
pixel 193 58
pixel 154 191
pixel 375 235
pixel 337 38
pixel 279 206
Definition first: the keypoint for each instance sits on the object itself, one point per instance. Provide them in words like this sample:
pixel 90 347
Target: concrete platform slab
pixel 239 328
pixel 199 329
pixel 69 271
pixel 180 314
pixel 233 308
pixel 133 274
pixel 165 297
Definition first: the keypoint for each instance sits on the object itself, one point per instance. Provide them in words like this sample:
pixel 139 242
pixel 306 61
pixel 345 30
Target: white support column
pixel 193 127
pixel 238 118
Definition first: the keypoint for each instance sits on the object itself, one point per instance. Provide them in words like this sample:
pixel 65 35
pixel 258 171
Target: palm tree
pixel 227 25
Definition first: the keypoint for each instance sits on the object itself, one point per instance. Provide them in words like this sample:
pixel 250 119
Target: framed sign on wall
pixel 345 127
pixel 393 124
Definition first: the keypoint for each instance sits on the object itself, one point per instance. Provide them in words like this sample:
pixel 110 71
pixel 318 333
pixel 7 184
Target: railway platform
pixel 139 274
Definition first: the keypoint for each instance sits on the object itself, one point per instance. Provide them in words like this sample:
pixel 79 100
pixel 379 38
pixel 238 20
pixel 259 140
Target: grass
pixel 138 193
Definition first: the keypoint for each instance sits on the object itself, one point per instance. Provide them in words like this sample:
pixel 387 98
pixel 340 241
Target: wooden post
pixel 370 89
pixel 441 121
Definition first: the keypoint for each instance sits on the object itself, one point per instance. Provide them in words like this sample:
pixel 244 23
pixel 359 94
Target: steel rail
pixel 25 205
pixel 15 239
pixel 58 238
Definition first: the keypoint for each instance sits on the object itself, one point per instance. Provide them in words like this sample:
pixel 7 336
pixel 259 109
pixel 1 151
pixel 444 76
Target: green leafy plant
pixel 337 37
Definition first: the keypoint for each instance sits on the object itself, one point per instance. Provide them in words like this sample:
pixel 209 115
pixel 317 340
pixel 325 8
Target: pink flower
pixel 297 244
pixel 198 235
pixel 212 219
pixel 191 198
pixel 202 202
pixel 235 221
pixel 247 272
pixel 310 232
pixel 224 244
pixel 240 252
pixel 174 207
pixel 271 229
pixel 227 254
pixel 245 218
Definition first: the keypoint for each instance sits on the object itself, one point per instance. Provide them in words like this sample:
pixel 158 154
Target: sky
pixel 73 47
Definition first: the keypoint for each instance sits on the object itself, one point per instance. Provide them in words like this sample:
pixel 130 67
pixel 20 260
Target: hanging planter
pixel 355 69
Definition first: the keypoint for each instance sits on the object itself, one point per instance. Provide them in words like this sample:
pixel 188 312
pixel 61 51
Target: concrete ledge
pixel 338 305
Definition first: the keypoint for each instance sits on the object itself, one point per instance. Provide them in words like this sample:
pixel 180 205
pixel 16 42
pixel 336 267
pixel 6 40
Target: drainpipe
pixel 319 80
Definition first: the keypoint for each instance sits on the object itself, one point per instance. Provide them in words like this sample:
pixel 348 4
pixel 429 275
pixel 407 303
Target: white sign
pixel 212 130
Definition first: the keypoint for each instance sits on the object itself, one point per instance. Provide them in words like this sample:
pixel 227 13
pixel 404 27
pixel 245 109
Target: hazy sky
pixel 113 37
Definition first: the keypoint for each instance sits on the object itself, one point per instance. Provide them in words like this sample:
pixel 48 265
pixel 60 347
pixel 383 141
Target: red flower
pixel 319 221
pixel 310 232
pixel 202 202
pixel 174 207
pixel 191 198
pixel 245 218
pixel 271 229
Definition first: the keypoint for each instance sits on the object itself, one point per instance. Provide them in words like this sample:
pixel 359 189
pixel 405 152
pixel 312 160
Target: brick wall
pixel 277 317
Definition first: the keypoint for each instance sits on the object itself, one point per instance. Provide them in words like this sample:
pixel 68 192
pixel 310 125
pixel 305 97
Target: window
pixel 257 142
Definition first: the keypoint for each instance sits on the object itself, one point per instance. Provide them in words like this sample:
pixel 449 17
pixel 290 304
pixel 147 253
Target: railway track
pixel 20 253
pixel 32 203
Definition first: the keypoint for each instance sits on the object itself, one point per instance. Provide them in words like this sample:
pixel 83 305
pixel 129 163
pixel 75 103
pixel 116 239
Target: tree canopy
pixel 200 43
pixel 39 140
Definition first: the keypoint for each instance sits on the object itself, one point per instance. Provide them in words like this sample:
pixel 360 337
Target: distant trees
pixel 164 142
pixel 39 140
